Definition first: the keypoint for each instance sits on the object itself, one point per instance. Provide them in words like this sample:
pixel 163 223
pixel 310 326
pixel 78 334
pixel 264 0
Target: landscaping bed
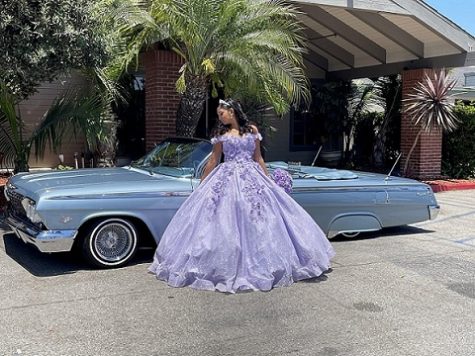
pixel 443 185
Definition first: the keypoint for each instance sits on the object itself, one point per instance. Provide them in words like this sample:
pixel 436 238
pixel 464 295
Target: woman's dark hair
pixel 243 122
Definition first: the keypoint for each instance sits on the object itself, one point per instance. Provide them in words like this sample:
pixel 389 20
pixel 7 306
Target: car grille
pixel 15 204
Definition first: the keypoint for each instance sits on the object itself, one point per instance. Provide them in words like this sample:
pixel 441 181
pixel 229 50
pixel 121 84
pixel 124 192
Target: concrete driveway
pixel 405 291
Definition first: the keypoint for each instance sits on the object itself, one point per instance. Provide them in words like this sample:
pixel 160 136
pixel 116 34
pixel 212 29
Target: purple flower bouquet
pixel 283 179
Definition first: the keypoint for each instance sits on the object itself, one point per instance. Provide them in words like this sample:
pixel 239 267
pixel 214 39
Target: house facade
pixel 346 39
pixel 464 88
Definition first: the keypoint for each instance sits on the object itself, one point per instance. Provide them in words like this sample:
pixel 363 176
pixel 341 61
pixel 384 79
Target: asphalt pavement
pixel 407 291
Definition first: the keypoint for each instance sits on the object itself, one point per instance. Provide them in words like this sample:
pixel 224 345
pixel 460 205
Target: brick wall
pixel 425 160
pixel 161 98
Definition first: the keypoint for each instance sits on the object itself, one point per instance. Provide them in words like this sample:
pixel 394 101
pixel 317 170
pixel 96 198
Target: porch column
pixel 161 97
pixel 425 161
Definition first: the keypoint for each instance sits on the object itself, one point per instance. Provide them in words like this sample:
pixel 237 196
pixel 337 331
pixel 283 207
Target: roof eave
pixel 440 24
pixel 450 61
pixel 364 5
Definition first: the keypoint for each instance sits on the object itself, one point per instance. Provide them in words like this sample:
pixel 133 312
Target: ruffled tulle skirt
pixel 240 231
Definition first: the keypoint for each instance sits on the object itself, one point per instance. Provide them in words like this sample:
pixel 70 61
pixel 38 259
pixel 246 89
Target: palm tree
pixel 361 97
pixel 387 138
pixel 430 107
pixel 236 45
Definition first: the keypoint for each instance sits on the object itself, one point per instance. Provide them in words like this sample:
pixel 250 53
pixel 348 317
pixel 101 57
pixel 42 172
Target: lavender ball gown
pixel 240 231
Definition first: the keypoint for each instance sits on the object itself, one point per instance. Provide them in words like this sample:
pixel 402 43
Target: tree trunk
pixel 379 144
pixel 349 133
pixel 191 105
pixel 379 147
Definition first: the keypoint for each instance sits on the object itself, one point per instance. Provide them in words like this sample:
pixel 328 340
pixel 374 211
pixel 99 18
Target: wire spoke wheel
pixel 111 243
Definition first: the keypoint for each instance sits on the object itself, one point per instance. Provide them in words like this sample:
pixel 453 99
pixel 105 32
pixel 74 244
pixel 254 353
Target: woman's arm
pixel 214 160
pixel 257 152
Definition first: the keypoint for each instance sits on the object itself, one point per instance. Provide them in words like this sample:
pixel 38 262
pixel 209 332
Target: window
pixel 303 131
pixel 469 79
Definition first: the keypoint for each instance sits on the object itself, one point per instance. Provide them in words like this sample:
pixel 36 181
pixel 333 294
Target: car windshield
pixel 175 157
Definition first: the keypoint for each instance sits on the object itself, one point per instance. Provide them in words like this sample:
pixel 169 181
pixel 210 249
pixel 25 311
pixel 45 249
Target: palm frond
pixel 104 83
pixel 69 114
pixel 12 146
pixel 7 146
pixel 363 96
pixel 236 44
pixel 273 80
pixel 8 116
pixel 138 29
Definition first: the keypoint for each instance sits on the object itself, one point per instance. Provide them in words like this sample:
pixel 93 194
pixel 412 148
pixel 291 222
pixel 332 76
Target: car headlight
pixel 8 186
pixel 30 210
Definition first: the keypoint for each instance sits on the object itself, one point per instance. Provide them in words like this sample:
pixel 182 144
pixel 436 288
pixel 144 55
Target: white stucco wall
pixel 277 143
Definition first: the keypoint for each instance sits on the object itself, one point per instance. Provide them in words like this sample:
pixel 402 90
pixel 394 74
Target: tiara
pixel 224 103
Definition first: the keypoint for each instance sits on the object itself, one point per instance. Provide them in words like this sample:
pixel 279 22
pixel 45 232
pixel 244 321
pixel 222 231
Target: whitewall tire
pixel 110 242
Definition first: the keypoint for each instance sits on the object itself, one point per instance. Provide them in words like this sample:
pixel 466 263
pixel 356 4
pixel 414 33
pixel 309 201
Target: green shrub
pixel 458 150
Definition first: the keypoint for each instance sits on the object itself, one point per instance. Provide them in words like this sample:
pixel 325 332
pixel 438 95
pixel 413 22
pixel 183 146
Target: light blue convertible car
pixel 109 212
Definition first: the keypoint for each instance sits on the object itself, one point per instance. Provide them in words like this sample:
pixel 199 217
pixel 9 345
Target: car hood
pixel 95 181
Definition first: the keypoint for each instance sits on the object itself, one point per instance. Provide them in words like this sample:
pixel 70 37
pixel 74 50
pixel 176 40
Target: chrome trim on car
pixel 433 211
pixel 5 193
pixel 369 188
pixel 10 186
pixel 122 195
pixel 44 240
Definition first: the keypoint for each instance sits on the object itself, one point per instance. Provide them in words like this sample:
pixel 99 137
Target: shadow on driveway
pixel 47 265
pixel 53 264
pixel 385 233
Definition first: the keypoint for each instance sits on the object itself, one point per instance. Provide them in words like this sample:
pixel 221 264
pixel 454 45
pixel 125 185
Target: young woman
pixel 239 230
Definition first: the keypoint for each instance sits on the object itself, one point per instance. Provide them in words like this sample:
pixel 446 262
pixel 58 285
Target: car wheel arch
pixel 139 221
pixel 145 232
pixel 352 223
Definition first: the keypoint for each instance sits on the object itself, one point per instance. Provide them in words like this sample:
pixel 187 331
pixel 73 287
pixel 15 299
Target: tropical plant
pixel 363 97
pixel 45 40
pixel 365 133
pixel 83 110
pixel 342 107
pixel 375 111
pixel 235 45
pixel 330 106
pixel 430 107
pixel 387 140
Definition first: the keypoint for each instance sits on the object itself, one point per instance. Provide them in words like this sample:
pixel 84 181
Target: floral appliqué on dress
pixel 238 152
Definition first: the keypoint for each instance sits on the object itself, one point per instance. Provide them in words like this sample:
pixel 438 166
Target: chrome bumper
pixel 433 211
pixel 44 240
